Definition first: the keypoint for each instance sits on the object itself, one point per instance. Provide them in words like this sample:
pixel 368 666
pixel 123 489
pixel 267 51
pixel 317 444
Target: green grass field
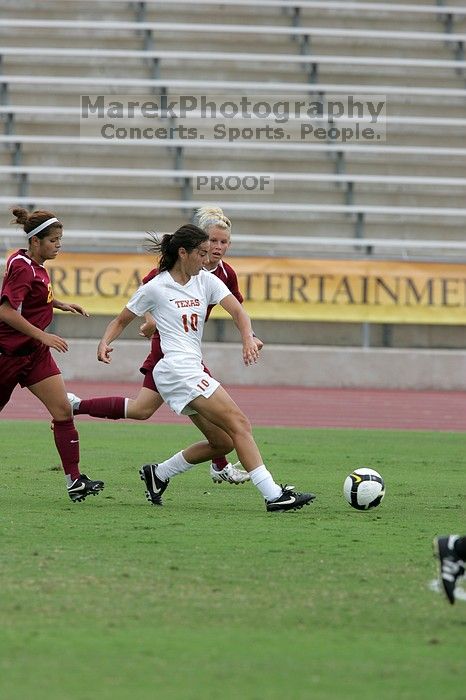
pixel 210 596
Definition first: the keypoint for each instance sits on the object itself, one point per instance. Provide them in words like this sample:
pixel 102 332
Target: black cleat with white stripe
pixel 451 567
pixel 289 500
pixel 83 487
pixel 155 486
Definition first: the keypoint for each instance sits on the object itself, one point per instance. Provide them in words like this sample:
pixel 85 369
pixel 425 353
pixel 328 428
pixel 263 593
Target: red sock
pixel 67 442
pixel 219 463
pixel 105 407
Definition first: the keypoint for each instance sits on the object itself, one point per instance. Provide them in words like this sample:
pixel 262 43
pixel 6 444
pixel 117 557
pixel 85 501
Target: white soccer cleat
pixel 74 401
pixel 231 474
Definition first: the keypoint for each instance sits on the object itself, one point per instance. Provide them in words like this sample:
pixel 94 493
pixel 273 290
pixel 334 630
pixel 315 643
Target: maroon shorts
pixel 148 381
pixel 25 371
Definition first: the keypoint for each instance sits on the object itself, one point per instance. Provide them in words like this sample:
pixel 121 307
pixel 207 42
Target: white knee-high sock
pixel 173 466
pixel 263 480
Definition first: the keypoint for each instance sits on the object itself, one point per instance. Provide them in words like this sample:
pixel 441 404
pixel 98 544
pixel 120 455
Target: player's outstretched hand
pixel 55 342
pixel 74 309
pixel 103 353
pixel 250 351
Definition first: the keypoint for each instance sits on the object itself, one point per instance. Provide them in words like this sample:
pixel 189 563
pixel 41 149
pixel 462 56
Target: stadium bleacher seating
pixel 407 186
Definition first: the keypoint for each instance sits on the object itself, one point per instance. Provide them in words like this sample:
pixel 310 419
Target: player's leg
pixel 157 476
pixel 146 403
pixel 217 441
pixel 451 553
pixel 51 391
pixel 221 470
pixel 221 411
pixel 110 407
pixel 9 378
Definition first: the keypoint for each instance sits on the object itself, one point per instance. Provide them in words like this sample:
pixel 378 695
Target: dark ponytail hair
pixel 30 221
pixel 188 237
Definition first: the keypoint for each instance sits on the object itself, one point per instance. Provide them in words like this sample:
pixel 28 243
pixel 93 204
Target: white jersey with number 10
pixel 179 309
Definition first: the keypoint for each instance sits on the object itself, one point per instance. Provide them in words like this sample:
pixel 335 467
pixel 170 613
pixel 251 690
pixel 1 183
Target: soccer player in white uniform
pixel 148 401
pixel 178 298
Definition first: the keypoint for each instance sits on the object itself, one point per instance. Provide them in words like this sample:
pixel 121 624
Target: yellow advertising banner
pixel 286 288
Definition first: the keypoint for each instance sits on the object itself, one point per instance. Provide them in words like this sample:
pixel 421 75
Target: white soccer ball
pixel 364 488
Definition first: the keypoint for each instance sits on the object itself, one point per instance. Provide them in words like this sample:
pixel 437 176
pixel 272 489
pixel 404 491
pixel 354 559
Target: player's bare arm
pixel 114 329
pixel 243 323
pixel 14 319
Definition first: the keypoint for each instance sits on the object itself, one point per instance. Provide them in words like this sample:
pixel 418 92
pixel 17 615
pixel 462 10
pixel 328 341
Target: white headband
pixel 41 227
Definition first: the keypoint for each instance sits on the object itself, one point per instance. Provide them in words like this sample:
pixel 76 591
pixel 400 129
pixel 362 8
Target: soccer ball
pixel 364 488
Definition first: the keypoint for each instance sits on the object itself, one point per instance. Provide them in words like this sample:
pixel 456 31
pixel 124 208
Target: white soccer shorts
pixel 179 381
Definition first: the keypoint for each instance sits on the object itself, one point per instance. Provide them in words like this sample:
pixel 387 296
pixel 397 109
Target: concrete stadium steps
pixel 409 196
pixel 161 220
pixel 118 188
pixel 257 70
pixel 169 187
pixel 259 162
pixel 422 167
pixel 257 159
pixel 449 107
pixel 8 189
pixel 263 223
pixel 363 193
pixel 63 66
pixel 443 129
pixel 427 229
pixel 90 156
pixel 134 40
pixel 255 15
pixel 313 17
pixel 29 9
pixel 446 119
pixel 272 16
pixel 451 136
pixel 414 77
pixel 64 38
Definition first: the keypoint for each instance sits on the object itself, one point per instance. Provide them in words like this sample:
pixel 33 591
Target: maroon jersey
pixel 26 286
pixel 223 271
